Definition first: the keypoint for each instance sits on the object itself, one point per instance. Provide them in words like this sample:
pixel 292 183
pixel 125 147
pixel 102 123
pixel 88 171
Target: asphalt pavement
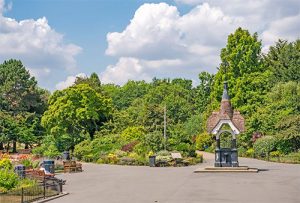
pixel 141 184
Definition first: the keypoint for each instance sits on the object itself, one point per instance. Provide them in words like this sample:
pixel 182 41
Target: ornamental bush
pixel 264 145
pixel 8 180
pixel 5 164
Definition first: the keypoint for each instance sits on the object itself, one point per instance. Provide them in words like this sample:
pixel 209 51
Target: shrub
pixel 120 153
pixel 5 164
pixel 127 161
pixel 140 149
pixel 275 154
pixel 203 141
pixel 51 151
pixel 200 157
pixel 192 160
pixel 112 158
pixel 284 145
pixel 27 163
pixel 264 145
pixel 183 147
pixel 162 158
pixel 105 144
pixel 8 179
pixel 133 134
pixel 242 151
pixel 39 151
pixel 27 183
pixel 154 141
pixel 294 157
pixel 82 149
pixel 129 147
pixel 139 159
pixel 163 153
pixel 250 152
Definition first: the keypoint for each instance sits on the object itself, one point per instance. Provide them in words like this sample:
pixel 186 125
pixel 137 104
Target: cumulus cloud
pixel 159 41
pixel 285 28
pixel 163 43
pixel 37 45
pixel 69 81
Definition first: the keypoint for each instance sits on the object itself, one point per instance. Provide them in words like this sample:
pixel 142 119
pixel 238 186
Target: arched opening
pixel 225 140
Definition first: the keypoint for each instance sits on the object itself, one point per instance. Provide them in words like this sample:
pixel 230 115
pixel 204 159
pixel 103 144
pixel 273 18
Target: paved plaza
pixel 140 184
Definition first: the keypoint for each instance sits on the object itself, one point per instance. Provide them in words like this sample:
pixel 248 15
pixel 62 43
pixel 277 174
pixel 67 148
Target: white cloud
pixel 285 28
pixel 159 41
pixel 41 49
pixel 163 43
pixel 69 81
pixel 125 69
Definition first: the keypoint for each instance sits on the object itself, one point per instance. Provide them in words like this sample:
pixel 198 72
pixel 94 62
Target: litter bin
pixel 49 166
pixel 20 170
pixel 66 155
pixel 152 161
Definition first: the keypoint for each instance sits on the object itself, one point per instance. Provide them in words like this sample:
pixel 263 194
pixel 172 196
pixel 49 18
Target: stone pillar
pixel 218 158
pixel 234 154
pixel 218 153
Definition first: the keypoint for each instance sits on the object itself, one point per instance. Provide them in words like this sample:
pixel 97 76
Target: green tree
pixel 278 114
pixel 203 91
pixel 74 113
pixel 283 60
pixel 18 91
pixel 92 81
pixel 240 57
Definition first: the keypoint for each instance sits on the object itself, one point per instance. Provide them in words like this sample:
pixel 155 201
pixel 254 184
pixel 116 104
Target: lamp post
pixel 165 127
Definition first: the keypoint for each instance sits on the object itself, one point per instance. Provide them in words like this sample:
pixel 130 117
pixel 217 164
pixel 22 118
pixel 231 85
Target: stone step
pixel 228 169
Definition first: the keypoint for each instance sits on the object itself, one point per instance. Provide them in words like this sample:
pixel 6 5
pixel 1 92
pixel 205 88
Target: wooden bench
pixel 37 174
pixel 70 166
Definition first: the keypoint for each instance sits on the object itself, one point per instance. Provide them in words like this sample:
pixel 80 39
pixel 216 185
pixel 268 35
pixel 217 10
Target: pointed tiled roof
pixel 226 113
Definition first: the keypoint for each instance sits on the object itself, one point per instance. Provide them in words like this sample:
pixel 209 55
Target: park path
pixel 140 184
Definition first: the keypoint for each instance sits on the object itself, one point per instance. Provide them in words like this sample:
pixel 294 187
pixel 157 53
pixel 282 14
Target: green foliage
pixel 240 57
pixel 8 179
pixel 16 86
pixel 264 145
pixel 75 112
pixel 275 153
pixel 51 152
pixel 5 164
pixel 133 134
pixel 250 152
pixel 154 141
pixel 83 150
pixel 26 183
pixel 203 141
pixel 203 91
pixel 283 60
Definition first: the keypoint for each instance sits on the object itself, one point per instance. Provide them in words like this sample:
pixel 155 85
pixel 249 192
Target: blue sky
pixel 133 39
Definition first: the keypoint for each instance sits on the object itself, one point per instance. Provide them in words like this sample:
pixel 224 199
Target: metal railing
pixel 48 188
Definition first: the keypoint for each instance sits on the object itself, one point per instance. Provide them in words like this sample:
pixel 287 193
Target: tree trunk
pixel 14 147
pixel 7 147
pixel 1 146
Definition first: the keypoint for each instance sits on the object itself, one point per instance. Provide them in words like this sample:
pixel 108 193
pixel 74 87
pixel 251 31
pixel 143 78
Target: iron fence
pixel 48 188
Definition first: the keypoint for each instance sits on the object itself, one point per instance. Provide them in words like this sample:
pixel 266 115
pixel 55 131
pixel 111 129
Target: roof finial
pixel 225 95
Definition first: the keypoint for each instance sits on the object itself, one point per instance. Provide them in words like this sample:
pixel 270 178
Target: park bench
pixel 37 174
pixel 70 166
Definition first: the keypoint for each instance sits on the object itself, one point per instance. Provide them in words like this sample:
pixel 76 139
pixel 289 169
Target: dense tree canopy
pixel 74 113
pixel 20 99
